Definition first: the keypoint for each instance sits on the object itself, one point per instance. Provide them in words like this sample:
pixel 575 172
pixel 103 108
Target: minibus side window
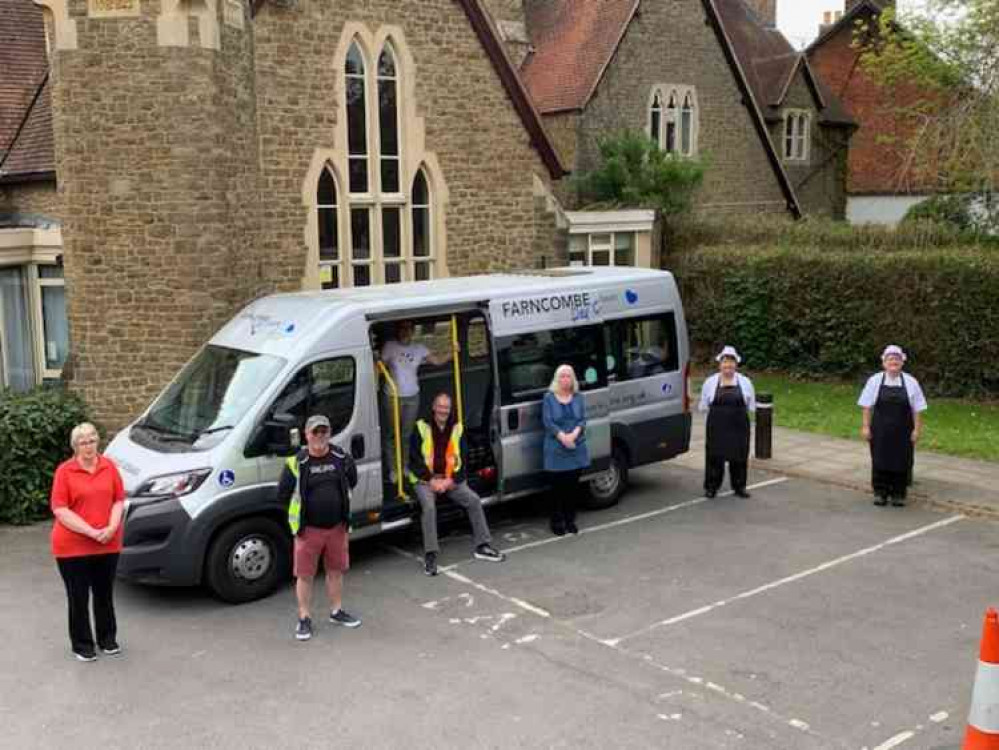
pixel 326 387
pixel 641 347
pixel 527 361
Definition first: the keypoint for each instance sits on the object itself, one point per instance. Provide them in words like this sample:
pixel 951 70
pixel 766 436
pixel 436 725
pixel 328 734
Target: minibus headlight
pixel 170 486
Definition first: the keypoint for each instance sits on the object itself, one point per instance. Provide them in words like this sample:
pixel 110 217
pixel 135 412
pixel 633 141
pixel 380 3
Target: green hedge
pixel 830 313
pixel 34 439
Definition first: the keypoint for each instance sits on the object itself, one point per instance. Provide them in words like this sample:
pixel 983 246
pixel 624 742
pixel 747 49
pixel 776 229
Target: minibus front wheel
pixel 248 560
pixel 606 488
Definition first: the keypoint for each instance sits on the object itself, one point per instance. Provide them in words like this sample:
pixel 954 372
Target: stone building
pixel 710 78
pixel 210 151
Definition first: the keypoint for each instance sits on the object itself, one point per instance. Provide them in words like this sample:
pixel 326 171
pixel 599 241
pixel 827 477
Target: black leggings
pixel 81 575
pixel 564 489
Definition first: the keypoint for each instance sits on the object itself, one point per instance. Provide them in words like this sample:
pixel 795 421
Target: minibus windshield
pixel 210 396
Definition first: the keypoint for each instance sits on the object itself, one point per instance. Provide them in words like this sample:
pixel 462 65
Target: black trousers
pixel 891 483
pixel 564 489
pixel 714 473
pixel 83 575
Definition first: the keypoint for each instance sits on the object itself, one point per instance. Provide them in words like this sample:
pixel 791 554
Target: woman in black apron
pixel 893 404
pixel 727 397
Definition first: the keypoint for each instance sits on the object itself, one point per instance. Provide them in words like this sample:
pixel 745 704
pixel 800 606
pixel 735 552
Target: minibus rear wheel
pixel 248 560
pixel 606 488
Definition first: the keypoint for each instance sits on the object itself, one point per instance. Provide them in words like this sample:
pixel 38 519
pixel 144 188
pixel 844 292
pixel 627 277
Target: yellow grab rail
pixel 457 370
pixel 396 419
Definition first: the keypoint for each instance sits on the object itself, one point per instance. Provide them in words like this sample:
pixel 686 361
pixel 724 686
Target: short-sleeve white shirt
pixel 404 361
pixel 869 396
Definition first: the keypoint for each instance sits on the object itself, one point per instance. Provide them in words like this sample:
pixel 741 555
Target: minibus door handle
pixel 513 420
pixel 357 446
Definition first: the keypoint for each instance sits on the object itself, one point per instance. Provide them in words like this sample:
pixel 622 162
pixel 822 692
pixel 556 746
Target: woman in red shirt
pixel 88 499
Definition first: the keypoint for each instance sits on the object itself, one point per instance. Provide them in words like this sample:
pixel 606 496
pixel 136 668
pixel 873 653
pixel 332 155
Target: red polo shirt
pixel 91 497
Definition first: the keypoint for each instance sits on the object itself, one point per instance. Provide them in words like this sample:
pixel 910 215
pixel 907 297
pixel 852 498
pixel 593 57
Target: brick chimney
pixel 829 18
pixel 766 10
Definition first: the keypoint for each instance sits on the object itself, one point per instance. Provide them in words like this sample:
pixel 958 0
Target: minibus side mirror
pixel 277 435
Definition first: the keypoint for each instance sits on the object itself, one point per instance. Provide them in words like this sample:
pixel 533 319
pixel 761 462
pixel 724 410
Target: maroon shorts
pixel 312 542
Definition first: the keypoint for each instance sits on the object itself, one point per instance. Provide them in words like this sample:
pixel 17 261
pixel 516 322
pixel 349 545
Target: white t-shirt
pixel 403 361
pixel 869 396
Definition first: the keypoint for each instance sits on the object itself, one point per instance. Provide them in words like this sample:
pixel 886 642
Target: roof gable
pixel 488 36
pixel 771 64
pixel 573 42
pixel 848 19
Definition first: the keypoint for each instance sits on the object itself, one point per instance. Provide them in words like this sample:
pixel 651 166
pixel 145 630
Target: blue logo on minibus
pixel 227 478
pixel 631 296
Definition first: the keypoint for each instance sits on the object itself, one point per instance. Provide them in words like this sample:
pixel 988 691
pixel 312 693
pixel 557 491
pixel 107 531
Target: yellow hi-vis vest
pixel 295 504
pixel 452 455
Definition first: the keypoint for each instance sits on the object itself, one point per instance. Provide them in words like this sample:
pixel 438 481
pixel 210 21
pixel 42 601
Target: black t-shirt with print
pixel 323 502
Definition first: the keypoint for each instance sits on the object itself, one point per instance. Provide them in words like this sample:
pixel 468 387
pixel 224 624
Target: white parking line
pixel 788 579
pixel 635 518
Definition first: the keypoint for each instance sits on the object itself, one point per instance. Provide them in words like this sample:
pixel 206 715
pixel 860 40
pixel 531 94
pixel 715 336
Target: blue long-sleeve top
pixel 559 417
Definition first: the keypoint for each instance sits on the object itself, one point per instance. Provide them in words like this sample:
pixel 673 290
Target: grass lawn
pixel 952 426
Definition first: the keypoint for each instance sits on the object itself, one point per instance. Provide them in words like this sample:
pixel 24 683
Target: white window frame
pixel 593 246
pixel 30 248
pixel 375 200
pixel 796 138
pixel 660 98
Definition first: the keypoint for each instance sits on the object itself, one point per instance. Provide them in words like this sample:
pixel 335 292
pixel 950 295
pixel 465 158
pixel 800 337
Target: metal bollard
pixel 764 425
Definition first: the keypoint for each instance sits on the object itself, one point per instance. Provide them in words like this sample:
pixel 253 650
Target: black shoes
pixel 570 527
pixel 344 618
pixel 741 492
pixel 111 649
pixel 898 502
pixel 486 552
pixel 710 493
pixel 558 529
pixel 430 564
pixel 85 655
pixel 303 631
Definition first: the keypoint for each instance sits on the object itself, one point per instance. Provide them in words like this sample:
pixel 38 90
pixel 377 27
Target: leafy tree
pixel 635 173
pixel 939 68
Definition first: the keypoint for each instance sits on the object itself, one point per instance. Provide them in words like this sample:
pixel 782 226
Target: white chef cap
pixel 893 349
pixel 728 351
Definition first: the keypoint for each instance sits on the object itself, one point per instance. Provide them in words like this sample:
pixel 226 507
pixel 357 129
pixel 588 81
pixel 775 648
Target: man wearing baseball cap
pixel 316 484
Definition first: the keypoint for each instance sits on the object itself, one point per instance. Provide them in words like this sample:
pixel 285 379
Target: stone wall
pixel 155 152
pixel 469 126
pixel 31 200
pixel 672 43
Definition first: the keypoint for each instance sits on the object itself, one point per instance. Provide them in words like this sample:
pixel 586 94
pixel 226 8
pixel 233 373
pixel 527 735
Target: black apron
pixel 891 429
pixel 728 425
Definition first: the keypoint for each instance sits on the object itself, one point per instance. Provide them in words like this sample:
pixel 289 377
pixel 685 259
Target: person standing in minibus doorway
pixel 403 358
pixel 893 405
pixel 728 397
pixel 316 484
pixel 566 454
pixel 88 502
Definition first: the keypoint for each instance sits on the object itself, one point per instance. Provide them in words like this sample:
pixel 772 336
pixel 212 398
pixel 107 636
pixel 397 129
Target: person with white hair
pixel 893 405
pixel 88 500
pixel 728 397
pixel 566 454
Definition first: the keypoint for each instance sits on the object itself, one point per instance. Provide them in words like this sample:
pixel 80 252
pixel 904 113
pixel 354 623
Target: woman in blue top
pixel 565 451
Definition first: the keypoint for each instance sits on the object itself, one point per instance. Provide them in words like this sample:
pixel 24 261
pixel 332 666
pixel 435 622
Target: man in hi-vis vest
pixel 437 468
pixel 316 484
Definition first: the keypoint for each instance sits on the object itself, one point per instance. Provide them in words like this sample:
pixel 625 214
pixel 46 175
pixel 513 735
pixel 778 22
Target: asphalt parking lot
pixel 802 618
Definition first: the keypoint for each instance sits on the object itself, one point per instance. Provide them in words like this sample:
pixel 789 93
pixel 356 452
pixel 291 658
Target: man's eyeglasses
pixel 321 431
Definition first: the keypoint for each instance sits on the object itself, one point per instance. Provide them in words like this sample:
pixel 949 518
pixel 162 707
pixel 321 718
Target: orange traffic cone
pixel 983 721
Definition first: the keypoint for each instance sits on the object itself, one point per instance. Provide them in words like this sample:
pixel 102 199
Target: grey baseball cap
pixel 316 420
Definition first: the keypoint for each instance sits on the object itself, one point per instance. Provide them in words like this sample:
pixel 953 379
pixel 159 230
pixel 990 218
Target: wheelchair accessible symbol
pixel 227 478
